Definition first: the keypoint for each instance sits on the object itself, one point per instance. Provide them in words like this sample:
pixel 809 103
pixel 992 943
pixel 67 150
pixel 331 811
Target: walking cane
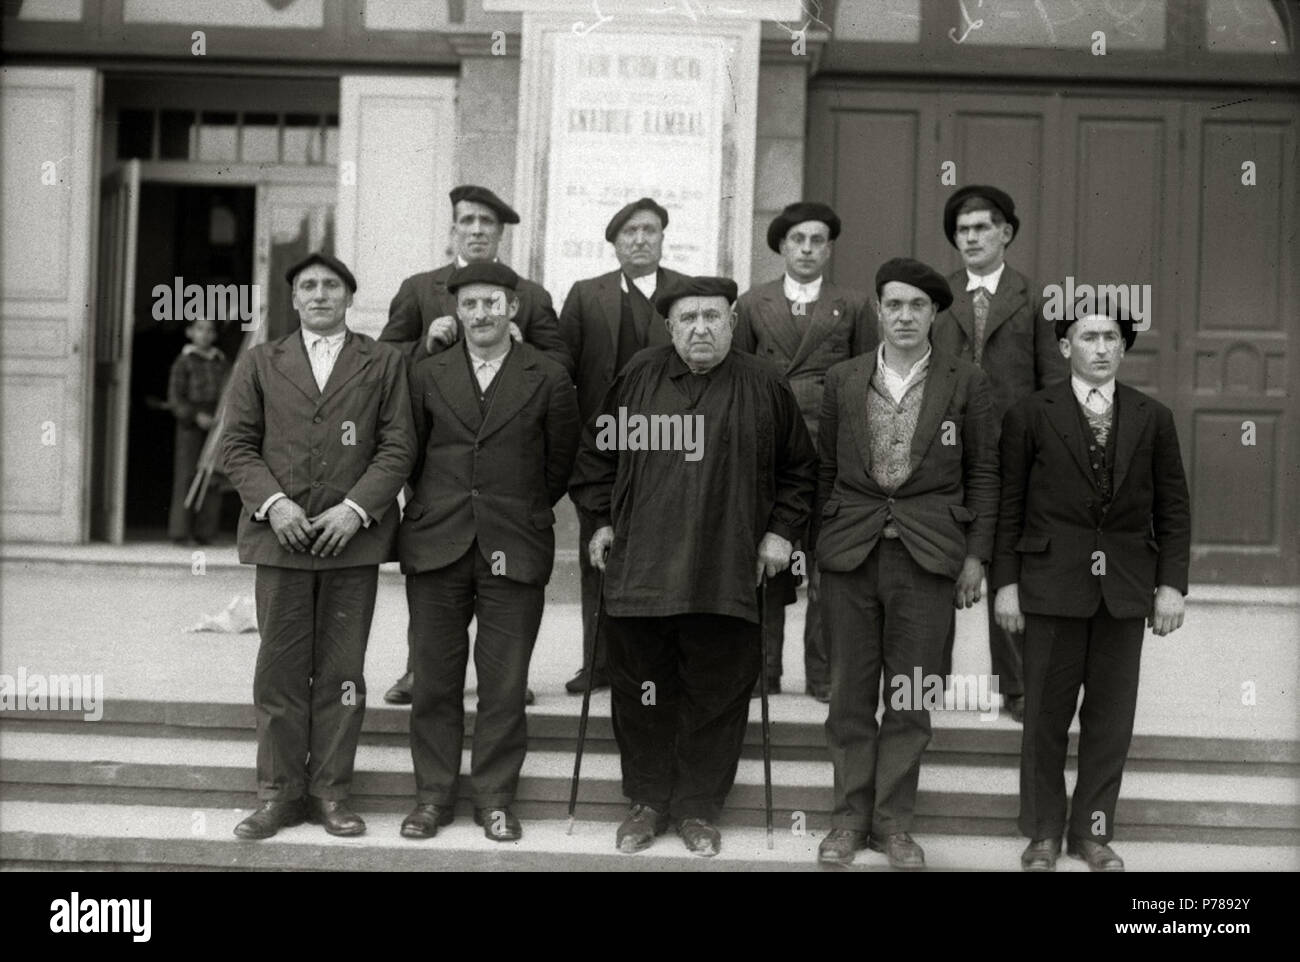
pixel 586 701
pixel 767 725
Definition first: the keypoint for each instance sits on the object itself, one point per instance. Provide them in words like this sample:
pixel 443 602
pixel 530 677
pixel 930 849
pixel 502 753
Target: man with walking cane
pixel 699 472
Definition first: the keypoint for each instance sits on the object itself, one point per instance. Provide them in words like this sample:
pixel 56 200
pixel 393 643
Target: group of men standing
pixel 851 442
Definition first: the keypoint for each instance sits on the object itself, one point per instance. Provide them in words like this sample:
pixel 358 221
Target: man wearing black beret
pixel 996 320
pixel 688 520
pixel 422 315
pixel 605 320
pixel 803 324
pixel 1094 535
pixel 908 495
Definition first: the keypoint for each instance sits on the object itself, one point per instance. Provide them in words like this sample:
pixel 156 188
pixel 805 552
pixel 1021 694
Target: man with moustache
pixel 318 441
pixel 684 542
pixel 996 321
pixel 803 324
pixel 422 316
pixel 497 426
pixel 1094 536
pixel 908 489
pixel 605 320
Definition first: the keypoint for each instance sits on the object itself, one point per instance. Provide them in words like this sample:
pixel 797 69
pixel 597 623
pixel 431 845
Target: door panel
pixel 293 220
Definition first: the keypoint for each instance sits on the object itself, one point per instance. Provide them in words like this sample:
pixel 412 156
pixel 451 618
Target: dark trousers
pixel 680 741
pixel 590 595
pixel 889 613
pixel 816 663
pixel 1102 654
pixel 1005 650
pixel 442 603
pixel 309 688
pixel 181 521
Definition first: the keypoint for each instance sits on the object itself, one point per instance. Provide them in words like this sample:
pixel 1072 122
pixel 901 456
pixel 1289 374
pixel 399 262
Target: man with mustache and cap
pixel 996 320
pixel 497 427
pixel 422 316
pixel 908 496
pixel 1094 536
pixel 684 537
pixel 605 320
pixel 803 324
pixel 318 441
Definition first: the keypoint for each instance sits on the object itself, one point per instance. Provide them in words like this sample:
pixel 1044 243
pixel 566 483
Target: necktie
pixel 320 362
pixel 483 374
pixel 1095 402
pixel 981 301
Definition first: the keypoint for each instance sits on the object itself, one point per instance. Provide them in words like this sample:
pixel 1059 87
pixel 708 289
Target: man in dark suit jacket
pixel 497 425
pixel 803 324
pixel 1094 534
pixel 318 441
pixel 605 320
pixel 422 316
pixel 908 489
pixel 996 321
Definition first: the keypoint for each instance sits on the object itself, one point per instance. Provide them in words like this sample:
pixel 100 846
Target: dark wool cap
pixel 696 287
pixel 333 263
pixel 797 214
pixel 1125 327
pixel 487 272
pixel 482 195
pixel 998 198
pixel 918 275
pixel 624 215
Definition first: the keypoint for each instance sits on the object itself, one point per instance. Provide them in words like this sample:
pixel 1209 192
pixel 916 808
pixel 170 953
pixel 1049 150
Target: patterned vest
pixel 891 427
pixel 1099 433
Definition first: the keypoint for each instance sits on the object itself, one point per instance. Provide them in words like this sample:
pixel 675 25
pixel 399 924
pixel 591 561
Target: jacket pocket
pixel 962 513
pixel 414 509
pixel 1033 543
pixel 544 518
pixel 830 507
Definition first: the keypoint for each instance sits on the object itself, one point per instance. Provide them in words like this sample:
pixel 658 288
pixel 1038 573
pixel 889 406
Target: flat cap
pixel 484 272
pixel 625 214
pixel 696 287
pixel 319 257
pixel 1125 327
pixel 998 198
pixel 918 275
pixel 482 195
pixel 798 213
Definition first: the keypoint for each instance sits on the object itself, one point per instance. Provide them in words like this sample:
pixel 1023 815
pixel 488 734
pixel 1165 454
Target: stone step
pixel 49 835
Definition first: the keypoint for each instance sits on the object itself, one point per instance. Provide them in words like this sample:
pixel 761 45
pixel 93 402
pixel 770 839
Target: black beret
pixel 333 263
pixel 696 287
pixel 482 195
pixel 623 216
pixel 797 214
pixel 1125 327
pixel 918 275
pixel 483 272
pixel 998 198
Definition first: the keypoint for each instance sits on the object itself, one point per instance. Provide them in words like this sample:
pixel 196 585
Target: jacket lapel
pixel 1129 425
pixel 1010 297
pixel 940 382
pixel 516 382
pixel 453 381
pixel 354 355
pixel 826 313
pixel 777 322
pixel 858 386
pixel 290 359
pixel 611 302
pixel 962 309
pixel 1061 404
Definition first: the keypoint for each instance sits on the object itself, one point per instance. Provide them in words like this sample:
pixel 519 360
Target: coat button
pixel 315 484
pixel 473 492
pixel 316 420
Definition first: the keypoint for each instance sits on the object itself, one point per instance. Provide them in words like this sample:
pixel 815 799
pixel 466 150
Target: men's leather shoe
pixel 578 683
pixel 499 824
pixel 839 847
pixel 821 693
pixel 1100 857
pixel 903 853
pixel 639 829
pixel 425 820
pixel 270 817
pixel 336 816
pixel 1041 855
pixel 701 836
pixel 400 693
pixel 1015 705
pixel 773 687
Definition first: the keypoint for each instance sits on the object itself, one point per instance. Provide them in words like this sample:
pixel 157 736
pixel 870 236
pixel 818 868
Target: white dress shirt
pixel 485 370
pixel 802 293
pixel 645 284
pixel 988 281
pixel 898 384
pixel 1085 393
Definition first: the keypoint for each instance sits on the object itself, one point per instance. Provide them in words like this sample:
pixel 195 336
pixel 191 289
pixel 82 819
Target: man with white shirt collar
pixel 996 320
pixel 318 441
pixel 1093 537
pixel 803 324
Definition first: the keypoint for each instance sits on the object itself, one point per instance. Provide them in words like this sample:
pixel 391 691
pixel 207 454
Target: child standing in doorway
pixel 193 390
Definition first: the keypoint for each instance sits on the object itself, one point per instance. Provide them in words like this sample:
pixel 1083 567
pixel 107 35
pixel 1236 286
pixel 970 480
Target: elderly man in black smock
pixel 699 473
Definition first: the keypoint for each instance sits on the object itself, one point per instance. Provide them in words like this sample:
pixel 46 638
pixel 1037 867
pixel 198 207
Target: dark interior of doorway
pixel 204 235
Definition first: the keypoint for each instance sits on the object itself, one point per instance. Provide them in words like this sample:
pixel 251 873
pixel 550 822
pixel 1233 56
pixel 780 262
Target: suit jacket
pixel 1052 519
pixel 491 474
pixel 947 507
pixel 840 325
pixel 423 297
pixel 353 440
pixel 1021 351
pixel 589 325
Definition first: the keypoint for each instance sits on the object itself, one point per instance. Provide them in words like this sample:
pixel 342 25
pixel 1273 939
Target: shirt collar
pixel 988 281
pixel 1082 388
pixel 210 353
pixel 916 369
pixel 475 360
pixel 333 340
pixel 461 262
pixel 646 283
pixel 802 293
